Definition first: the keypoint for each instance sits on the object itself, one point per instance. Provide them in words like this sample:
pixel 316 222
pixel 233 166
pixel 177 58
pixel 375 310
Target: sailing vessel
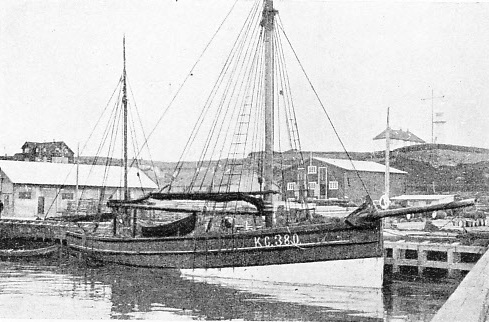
pixel 237 233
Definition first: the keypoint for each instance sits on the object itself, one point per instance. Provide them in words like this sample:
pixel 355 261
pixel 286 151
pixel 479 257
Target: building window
pixel 25 195
pixel 312 169
pixel 333 185
pixel 312 185
pixel 67 196
pixel 290 186
pixel 300 174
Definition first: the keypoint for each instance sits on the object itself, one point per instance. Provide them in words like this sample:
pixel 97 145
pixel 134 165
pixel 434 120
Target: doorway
pixel 40 205
pixel 323 181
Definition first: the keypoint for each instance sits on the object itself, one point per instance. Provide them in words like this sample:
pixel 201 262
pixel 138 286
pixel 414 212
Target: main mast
pixel 124 103
pixel 268 24
pixel 387 159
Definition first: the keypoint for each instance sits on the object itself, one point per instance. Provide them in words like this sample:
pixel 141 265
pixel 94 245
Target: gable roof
pixel 54 144
pixel 400 135
pixel 64 174
pixel 354 165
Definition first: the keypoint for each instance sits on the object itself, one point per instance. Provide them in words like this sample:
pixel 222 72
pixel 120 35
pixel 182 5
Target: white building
pixel 398 139
pixel 422 200
pixel 41 189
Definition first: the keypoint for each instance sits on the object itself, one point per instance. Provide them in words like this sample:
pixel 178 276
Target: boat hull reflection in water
pixel 52 289
pixel 307 283
pixel 366 273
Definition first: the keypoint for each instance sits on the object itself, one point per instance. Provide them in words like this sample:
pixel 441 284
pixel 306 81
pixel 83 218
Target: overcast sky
pixel 61 60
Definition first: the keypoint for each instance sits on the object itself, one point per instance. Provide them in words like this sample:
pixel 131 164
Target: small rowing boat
pixel 180 227
pixel 44 251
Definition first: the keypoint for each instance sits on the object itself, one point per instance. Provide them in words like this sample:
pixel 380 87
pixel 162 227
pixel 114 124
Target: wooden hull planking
pixel 287 245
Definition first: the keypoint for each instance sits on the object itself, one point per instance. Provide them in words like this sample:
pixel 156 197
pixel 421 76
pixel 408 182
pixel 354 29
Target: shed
pixel 422 200
pixel 42 189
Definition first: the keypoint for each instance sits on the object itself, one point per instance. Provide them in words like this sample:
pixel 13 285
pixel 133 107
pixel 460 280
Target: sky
pixel 60 62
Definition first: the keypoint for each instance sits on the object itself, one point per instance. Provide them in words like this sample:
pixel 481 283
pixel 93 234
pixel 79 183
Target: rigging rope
pixel 245 68
pixel 188 75
pixel 134 141
pixel 86 143
pixel 324 109
pixel 144 134
pixel 210 99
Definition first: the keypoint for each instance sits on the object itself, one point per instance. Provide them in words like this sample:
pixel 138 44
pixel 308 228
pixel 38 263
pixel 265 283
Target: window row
pixel 28 195
pixel 332 185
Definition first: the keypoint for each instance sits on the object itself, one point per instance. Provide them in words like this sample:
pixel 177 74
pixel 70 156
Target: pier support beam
pixel 396 256
pixel 453 258
pixel 422 259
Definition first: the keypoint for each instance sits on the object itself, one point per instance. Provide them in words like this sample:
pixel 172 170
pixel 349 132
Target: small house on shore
pixel 42 189
pixel 56 152
pixel 398 139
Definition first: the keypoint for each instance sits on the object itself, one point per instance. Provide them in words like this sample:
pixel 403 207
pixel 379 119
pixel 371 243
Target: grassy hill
pixel 431 168
pixel 442 168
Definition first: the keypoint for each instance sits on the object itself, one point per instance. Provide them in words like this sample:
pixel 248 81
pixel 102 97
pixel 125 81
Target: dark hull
pixel 180 227
pixel 286 245
pixel 90 217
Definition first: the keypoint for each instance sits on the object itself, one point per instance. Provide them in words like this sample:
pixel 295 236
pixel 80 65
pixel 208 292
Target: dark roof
pixel 46 144
pixel 400 135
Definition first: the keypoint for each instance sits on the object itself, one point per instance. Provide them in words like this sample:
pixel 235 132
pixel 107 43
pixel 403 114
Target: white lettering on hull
pixel 277 240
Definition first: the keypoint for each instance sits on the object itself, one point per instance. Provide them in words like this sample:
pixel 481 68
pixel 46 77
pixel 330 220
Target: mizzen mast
pixel 268 24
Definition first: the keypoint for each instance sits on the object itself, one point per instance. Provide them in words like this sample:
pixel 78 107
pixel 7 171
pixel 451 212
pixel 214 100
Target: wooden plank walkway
pixel 470 301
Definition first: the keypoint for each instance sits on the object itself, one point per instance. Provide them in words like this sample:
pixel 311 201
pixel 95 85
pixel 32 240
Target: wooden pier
pixel 453 258
pixel 34 229
pixel 42 230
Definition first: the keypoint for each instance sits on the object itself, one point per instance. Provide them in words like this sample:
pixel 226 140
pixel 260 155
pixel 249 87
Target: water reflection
pixel 66 289
pixel 145 290
pixel 415 299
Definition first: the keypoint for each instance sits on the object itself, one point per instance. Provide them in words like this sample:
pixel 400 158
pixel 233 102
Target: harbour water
pixel 70 289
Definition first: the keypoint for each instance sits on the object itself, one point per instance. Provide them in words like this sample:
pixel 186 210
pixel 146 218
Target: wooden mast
pixel 387 158
pixel 124 103
pixel 124 133
pixel 77 201
pixel 267 24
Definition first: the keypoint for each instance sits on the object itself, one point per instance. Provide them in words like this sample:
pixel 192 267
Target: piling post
pixel 396 256
pixel 453 257
pixel 422 259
